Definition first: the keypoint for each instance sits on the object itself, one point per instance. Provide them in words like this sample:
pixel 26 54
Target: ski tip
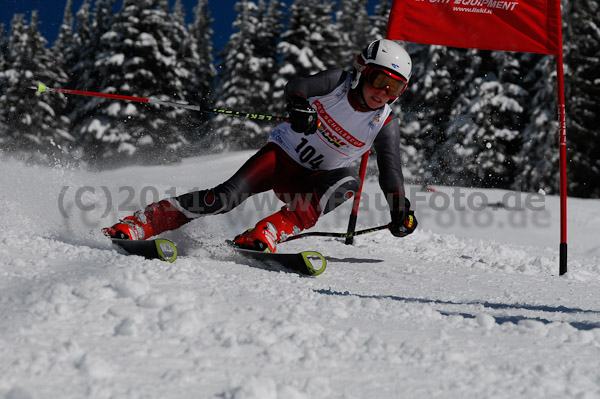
pixel 312 260
pixel 41 88
pixel 167 251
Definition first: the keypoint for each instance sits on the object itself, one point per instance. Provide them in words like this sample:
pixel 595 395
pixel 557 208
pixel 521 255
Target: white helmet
pixel 385 54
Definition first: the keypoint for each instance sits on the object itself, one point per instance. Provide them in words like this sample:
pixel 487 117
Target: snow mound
pixel 449 311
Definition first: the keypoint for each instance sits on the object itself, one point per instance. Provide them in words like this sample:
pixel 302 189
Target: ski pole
pixel 356 203
pixel 338 235
pixel 41 88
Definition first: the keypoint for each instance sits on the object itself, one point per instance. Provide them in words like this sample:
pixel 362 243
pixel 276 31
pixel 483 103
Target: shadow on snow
pixel 500 319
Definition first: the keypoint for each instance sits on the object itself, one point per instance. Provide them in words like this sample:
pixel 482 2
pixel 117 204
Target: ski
pixel 150 249
pixel 308 263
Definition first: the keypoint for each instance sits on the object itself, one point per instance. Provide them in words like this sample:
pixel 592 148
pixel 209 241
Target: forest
pixel 469 118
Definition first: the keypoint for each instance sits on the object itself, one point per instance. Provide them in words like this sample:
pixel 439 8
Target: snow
pixel 98 127
pixel 110 36
pixel 469 306
pixel 146 40
pixel 113 109
pixel 116 59
pixel 130 110
pixel 145 140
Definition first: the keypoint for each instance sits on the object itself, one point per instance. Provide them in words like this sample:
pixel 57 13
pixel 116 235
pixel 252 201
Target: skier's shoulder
pixel 319 84
pixel 392 118
pixel 332 77
pixel 337 75
pixel 390 128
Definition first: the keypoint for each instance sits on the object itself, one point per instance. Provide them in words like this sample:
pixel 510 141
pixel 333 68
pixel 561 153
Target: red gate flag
pixel 528 26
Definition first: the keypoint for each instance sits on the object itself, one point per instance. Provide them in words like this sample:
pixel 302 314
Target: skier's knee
pixel 343 185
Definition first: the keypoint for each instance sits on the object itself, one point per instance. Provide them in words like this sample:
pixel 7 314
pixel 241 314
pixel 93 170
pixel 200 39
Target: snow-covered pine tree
pixel 200 62
pixel 508 114
pixel 202 32
pixel 490 128
pixel 449 158
pixel 3 64
pixel 311 42
pixel 427 104
pixel 186 50
pixel 136 57
pixel 16 43
pixel 78 60
pixel 379 20
pixel 179 12
pixel 537 160
pixel 189 69
pixel 102 20
pixel 582 83
pixel 3 46
pixel 271 24
pixel 83 72
pixel 64 45
pixel 326 38
pixel 242 84
pixel 36 126
pixel 354 24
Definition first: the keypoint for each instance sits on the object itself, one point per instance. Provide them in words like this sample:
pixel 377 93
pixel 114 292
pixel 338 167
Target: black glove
pixel 302 116
pixel 404 221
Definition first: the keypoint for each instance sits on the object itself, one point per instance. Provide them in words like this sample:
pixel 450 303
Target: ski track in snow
pixel 448 312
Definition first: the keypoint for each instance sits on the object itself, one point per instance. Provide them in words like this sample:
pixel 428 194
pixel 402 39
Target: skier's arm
pixel 391 179
pixel 315 85
pixel 301 115
pixel 387 147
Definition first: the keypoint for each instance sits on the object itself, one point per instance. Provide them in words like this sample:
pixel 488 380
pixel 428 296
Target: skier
pixel 334 116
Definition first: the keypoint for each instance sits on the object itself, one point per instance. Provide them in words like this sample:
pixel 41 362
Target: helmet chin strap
pixel 364 104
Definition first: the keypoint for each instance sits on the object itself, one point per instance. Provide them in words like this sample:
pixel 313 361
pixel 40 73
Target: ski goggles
pixel 380 79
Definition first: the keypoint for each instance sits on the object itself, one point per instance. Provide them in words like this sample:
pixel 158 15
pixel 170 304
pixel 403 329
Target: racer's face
pixel 374 98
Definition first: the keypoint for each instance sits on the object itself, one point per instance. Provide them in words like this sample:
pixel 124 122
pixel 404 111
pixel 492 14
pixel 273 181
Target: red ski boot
pixel 135 227
pixel 269 232
pixel 154 219
pixel 258 239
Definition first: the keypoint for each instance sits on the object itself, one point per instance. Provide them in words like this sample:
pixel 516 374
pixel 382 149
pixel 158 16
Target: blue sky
pixel 51 14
